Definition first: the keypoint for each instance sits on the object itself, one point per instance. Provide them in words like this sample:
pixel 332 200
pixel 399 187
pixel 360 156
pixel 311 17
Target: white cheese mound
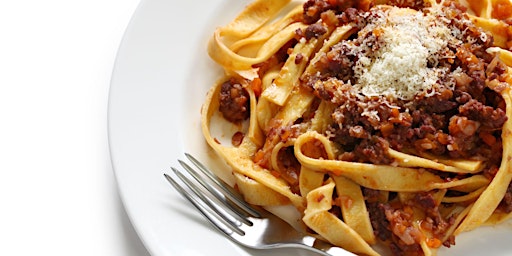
pixel 407 42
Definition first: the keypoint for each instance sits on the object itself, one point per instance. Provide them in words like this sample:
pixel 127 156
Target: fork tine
pixel 220 223
pixel 226 189
pixel 217 194
pixel 235 217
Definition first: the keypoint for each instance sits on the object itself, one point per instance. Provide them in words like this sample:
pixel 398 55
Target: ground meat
pixel 441 102
pixel 377 217
pixel 337 63
pixel 379 222
pixel 234 101
pixel 290 168
pixel 373 150
pixel 413 4
pixel 400 219
pixel 434 222
pixel 313 9
pixel 462 131
pixel 489 117
pixel 392 221
pixel 314 30
pixel 352 15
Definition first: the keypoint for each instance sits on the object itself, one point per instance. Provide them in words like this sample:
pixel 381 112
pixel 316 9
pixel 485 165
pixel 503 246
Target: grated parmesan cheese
pixel 407 42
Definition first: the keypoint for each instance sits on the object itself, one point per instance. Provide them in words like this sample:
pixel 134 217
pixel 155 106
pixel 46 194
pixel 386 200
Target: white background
pixel 58 194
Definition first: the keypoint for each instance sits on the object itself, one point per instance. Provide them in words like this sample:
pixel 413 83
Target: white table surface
pixel 58 194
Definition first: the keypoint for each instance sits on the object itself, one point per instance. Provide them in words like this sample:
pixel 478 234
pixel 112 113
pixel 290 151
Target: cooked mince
pixel 234 101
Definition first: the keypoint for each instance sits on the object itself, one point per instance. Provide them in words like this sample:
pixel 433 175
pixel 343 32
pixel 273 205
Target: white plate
pixel 161 75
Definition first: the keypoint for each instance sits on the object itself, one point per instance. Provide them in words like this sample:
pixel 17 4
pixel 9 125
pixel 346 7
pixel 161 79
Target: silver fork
pixel 244 224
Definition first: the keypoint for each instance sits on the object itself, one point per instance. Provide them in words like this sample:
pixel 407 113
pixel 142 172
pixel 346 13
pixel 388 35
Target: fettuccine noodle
pixel 380 122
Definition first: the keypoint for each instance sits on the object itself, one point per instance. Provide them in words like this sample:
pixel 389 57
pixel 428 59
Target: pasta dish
pixel 382 122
